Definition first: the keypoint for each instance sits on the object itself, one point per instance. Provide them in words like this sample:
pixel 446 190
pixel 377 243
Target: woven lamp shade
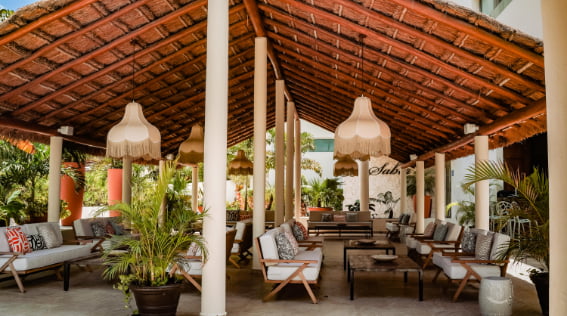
pixel 240 165
pixel 191 151
pixel 362 134
pixel 134 136
pixel 345 167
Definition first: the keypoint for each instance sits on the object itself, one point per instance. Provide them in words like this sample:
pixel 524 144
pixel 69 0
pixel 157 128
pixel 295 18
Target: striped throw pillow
pixel 17 240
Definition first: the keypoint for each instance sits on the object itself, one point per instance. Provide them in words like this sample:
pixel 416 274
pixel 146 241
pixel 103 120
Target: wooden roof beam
pixel 256 19
pixel 518 116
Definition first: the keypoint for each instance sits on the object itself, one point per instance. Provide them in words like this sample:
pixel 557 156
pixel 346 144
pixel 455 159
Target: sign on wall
pixel 385 169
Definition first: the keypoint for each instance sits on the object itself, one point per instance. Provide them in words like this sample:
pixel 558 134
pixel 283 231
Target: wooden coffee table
pixel 355 244
pixel 366 263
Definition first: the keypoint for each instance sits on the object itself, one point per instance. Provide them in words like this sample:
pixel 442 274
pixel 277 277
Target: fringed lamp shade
pixel 362 135
pixel 191 151
pixel 240 165
pixel 134 136
pixel 346 167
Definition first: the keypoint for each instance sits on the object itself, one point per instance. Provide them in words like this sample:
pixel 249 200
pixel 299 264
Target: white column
pixel 289 161
pixel 481 188
pixel 554 24
pixel 126 180
pixel 420 197
pixel 403 191
pixel 297 169
pixel 213 295
pixel 54 178
pixel 279 156
pixel 195 188
pixel 364 185
pixel 440 186
pixel 260 99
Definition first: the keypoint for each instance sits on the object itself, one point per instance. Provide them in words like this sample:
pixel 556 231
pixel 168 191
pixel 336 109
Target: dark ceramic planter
pixel 541 282
pixel 157 300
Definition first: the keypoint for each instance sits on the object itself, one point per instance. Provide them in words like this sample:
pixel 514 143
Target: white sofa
pixel 45 259
pixel 303 268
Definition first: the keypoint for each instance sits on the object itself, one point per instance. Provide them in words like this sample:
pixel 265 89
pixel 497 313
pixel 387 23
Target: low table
pixel 355 244
pixel 366 263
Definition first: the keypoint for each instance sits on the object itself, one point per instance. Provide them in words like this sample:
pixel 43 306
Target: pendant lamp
pixel 362 134
pixel 240 165
pixel 346 167
pixel 191 151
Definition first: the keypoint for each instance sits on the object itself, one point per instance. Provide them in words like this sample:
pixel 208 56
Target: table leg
pixel 66 275
pixel 344 258
pixel 405 277
pixel 351 284
pixel 394 250
pixel 420 285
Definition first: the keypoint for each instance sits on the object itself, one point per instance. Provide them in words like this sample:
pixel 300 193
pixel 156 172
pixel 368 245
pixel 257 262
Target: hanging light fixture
pixel 191 151
pixel 362 134
pixel 133 137
pixel 240 165
pixel 346 167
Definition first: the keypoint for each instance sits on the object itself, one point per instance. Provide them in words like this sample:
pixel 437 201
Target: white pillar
pixel 54 178
pixel 420 197
pixel 279 156
pixel 554 24
pixel 195 188
pixel 260 99
pixel 440 186
pixel 297 169
pixel 364 185
pixel 126 180
pixel 481 188
pixel 213 295
pixel 289 161
pixel 403 191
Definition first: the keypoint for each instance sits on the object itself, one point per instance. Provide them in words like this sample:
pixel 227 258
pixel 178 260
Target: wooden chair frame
pixel 290 280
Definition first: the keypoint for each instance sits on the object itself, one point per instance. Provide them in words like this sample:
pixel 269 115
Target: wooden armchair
pixel 425 248
pixel 242 242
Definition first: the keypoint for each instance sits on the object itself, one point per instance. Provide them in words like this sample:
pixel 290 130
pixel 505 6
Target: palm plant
pixel 158 238
pixel 324 193
pixel 12 205
pixel 534 190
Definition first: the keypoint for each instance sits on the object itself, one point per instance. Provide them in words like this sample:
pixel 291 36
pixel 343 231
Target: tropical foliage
pixel 533 189
pixel 323 193
pixel 429 184
pixel 159 239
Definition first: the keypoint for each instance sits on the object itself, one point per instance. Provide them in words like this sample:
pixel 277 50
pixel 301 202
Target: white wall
pixel 524 15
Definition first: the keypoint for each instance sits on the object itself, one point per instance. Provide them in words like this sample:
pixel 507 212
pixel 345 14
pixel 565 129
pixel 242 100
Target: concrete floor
pixel 375 294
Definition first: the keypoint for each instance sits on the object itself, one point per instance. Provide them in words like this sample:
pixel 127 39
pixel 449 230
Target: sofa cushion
pixel 98 229
pixel 297 233
pixel 285 248
pixel 500 243
pixel 456 271
pixel 282 271
pixel 429 230
pixel 453 232
pixel 326 217
pixel 303 230
pixel 4 246
pixel 118 229
pixel 483 246
pixel 405 219
pixel 268 244
pixel 49 235
pixel 36 242
pixel 232 215
pixel 17 240
pixel 339 218
pixel 191 266
pixel 468 243
pixel 287 227
pixel 109 229
pixel 440 232
pixel 45 257
pixel 352 217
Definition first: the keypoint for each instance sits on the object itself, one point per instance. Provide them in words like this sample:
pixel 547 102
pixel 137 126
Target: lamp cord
pixel 361 37
pixel 133 43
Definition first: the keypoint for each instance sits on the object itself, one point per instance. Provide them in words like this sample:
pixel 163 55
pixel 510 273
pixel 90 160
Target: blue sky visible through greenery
pixel 14 4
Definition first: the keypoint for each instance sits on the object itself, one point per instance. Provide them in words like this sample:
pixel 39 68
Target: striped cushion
pixel 17 240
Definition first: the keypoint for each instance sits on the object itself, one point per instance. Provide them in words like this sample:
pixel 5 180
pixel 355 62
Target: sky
pixel 15 4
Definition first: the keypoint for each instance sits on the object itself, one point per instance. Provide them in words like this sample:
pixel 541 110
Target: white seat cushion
pixel 191 266
pixel 392 227
pixel 268 244
pixel 411 242
pixel 46 257
pixel 282 271
pixel 456 271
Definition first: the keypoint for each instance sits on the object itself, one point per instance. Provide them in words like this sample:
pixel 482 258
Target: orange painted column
pixel 73 198
pixel 114 188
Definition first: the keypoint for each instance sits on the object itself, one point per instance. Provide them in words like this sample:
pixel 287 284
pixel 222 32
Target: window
pixel 324 145
pixel 493 7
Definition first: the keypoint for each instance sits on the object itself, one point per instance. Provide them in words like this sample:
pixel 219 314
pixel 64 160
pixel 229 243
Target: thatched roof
pixel 429 68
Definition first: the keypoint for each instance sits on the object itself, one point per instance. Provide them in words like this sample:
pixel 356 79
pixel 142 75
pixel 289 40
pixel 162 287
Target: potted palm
pixel 157 241
pixel 533 191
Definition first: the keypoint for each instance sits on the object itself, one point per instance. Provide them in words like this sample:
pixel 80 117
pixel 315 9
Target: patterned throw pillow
pixel 429 230
pixel 352 217
pixel 440 232
pixel 468 242
pixel 297 233
pixel 98 229
pixel 36 242
pixel 339 218
pixel 17 240
pixel 483 247
pixel 326 217
pixel 51 240
pixel 109 229
pixel 285 249
pixel 405 219
pixel 303 230
pixel 232 215
pixel 118 229
pixel 293 242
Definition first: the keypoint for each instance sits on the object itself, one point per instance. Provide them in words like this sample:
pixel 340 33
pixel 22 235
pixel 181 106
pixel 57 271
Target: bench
pixel 339 222
pixel 16 264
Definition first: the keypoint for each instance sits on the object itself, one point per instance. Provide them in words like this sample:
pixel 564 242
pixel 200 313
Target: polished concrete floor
pixel 375 294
